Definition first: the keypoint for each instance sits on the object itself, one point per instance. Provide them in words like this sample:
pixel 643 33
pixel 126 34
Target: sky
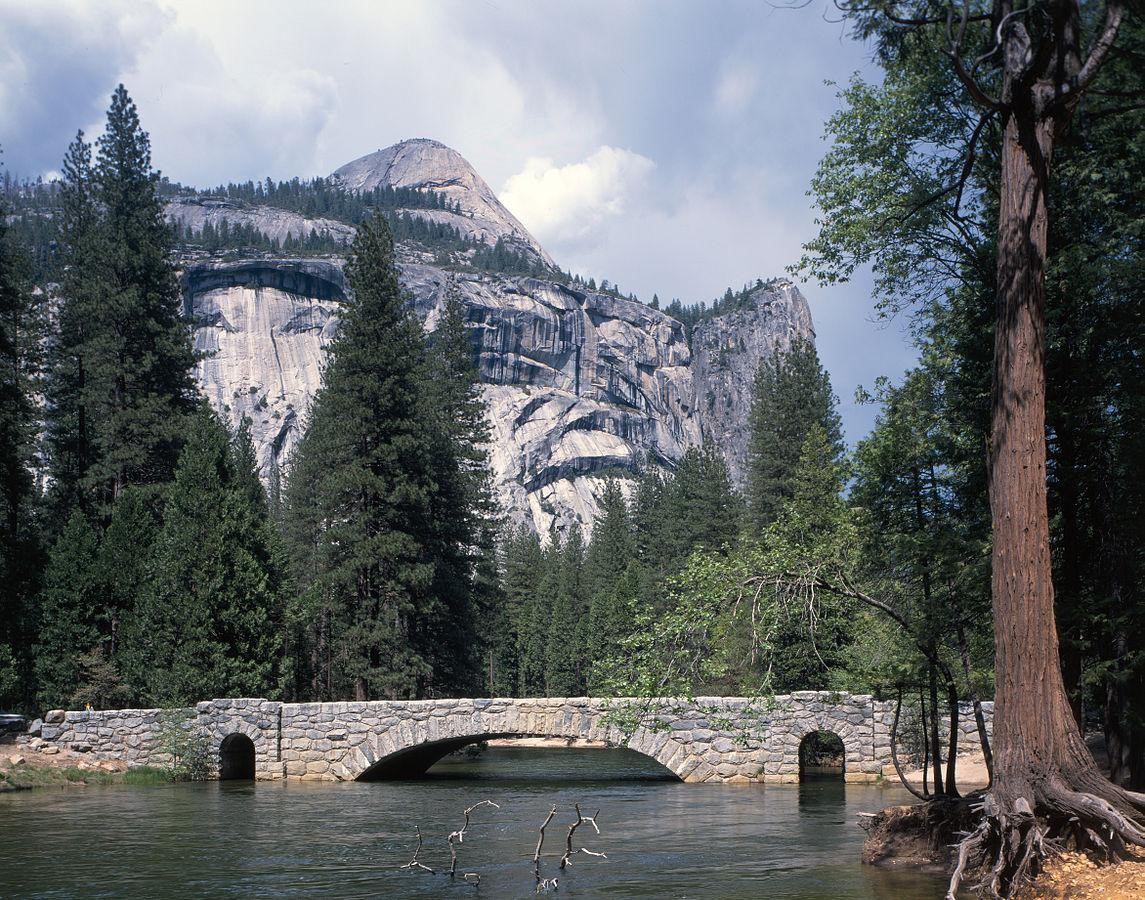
pixel 666 146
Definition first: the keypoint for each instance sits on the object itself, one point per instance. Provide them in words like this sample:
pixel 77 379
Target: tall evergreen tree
pixel 566 667
pixel 534 574
pixel 121 383
pixel 209 621
pixel 465 516
pixel 611 580
pixel 66 612
pixel 791 393
pixel 522 563
pixel 361 492
pixel 19 547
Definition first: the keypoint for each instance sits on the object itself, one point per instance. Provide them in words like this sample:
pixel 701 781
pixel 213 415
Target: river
pixel 663 839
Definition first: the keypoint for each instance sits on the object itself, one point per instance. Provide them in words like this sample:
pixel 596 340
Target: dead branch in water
pixel 580 820
pixel 540 842
pixel 460 835
pixel 413 863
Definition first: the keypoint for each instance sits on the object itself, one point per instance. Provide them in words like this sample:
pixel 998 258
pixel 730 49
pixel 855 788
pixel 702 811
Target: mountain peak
pixel 425 164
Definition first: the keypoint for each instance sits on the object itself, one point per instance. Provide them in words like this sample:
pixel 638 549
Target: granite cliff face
pixel 423 164
pixel 727 351
pixel 579 385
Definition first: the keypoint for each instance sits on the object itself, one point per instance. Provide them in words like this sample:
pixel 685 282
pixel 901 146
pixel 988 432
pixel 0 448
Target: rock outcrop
pixel 193 213
pixel 727 351
pixel 423 164
pixel 579 385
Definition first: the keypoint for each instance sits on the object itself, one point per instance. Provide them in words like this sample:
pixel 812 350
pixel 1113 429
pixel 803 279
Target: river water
pixel 663 839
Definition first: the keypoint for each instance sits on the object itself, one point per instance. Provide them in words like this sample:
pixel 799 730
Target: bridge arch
pixel 411 748
pixel 236 758
pixel 853 739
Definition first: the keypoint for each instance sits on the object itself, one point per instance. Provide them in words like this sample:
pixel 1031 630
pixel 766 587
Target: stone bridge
pixel 709 739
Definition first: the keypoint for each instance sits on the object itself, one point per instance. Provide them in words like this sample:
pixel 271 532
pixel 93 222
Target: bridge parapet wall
pixel 708 739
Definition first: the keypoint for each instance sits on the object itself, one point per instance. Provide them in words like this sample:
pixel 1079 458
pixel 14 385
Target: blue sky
pixel 666 146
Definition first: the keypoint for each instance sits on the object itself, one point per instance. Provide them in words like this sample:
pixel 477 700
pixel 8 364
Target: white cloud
pixel 736 88
pixel 568 203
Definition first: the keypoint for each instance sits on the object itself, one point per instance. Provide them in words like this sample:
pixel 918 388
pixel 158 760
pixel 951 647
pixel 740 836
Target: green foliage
pixel 790 395
pixel 208 623
pixel 186 745
pixel 383 498
pixel 20 553
pixel 119 385
pixel 100 684
pixel 528 584
pixel 566 668
pixel 66 609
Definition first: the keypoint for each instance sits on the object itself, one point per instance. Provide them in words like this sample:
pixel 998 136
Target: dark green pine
pixel 791 392
pixel 360 492
pixel 209 620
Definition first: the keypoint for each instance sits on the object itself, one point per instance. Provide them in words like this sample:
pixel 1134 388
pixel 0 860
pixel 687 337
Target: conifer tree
pixel 19 547
pixel 791 393
pixel 565 660
pixel 532 575
pixel 610 578
pixel 120 386
pixel 465 516
pixel 522 567
pixel 209 622
pixel 66 608
pixel 361 492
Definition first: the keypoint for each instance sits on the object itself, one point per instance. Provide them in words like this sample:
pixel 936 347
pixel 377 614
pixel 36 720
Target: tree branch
pixel 580 820
pixel 413 863
pixel 1114 11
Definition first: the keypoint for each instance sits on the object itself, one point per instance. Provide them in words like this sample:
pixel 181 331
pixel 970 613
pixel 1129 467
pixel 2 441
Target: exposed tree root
pixel 1013 837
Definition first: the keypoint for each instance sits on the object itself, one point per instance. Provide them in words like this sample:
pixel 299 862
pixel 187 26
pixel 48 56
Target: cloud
pixel 213 119
pixel 736 88
pixel 568 203
pixel 59 63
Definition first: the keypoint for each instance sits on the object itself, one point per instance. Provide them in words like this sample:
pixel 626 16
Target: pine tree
pixel 465 516
pixel 610 573
pixel 69 437
pixel 361 492
pixel 565 660
pixel 531 576
pixel 209 622
pixel 701 507
pixel 791 393
pixel 19 546
pixel 66 608
pixel 121 384
pixel 522 567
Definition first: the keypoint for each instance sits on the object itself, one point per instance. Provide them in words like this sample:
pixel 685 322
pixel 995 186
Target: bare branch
pixel 1114 11
pixel 413 863
pixel 580 820
pixel 460 835
pixel 540 842
pixel 971 151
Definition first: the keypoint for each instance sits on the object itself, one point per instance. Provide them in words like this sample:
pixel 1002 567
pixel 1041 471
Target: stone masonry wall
pixel 710 739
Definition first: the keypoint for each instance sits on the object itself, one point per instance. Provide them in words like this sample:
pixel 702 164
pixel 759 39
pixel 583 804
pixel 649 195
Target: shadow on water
pixel 551 764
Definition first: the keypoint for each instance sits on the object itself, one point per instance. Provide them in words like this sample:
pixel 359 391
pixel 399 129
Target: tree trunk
pixel 1045 781
pixel 935 744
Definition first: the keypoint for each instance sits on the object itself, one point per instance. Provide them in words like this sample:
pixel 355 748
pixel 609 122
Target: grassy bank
pixel 25 776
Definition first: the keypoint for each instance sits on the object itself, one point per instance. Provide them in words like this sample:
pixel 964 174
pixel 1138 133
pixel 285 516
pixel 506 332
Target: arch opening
pixel 236 758
pixel 416 761
pixel 821 755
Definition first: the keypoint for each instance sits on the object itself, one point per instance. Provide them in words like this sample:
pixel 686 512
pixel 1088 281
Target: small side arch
pixel 236 758
pixel 822 754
